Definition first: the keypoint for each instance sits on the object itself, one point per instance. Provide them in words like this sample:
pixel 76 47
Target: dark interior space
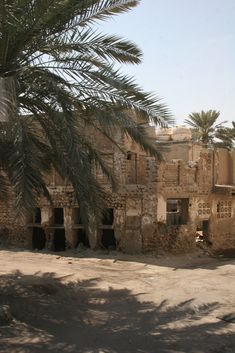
pixel 177 211
pixel 205 227
pixel 108 239
pixel 131 172
pixel 77 216
pixel 82 238
pixel 39 238
pixel 58 216
pixel 128 155
pixel 59 240
pixel 108 217
pixel 37 215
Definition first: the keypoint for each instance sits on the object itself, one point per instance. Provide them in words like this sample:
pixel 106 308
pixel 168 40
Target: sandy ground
pixel 114 303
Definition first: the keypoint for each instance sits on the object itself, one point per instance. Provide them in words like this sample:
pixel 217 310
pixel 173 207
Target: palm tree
pixel 226 137
pixel 203 125
pixel 57 76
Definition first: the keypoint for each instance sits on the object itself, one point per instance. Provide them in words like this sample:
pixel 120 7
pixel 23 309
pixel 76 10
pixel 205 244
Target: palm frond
pixel 203 125
pixel 57 75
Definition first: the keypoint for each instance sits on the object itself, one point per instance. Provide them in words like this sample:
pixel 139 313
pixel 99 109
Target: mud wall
pixel 12 228
pixel 140 203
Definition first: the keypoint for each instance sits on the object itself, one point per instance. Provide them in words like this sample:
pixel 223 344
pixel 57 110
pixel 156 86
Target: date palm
pixel 204 125
pixel 57 76
pixel 226 137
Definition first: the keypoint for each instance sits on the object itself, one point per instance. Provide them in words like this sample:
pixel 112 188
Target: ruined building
pixel 158 205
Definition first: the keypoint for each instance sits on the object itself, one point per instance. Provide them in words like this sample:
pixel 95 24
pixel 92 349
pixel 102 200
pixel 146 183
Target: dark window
pixel 128 156
pixel 205 227
pixel 177 211
pixel 108 217
pixel 178 174
pixel 58 216
pixel 131 168
pixel 172 206
pixel 37 215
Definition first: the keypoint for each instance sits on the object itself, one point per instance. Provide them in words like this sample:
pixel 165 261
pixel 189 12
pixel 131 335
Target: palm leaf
pixel 57 78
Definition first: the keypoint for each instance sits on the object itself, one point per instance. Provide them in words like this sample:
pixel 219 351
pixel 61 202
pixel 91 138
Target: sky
pixel 188 53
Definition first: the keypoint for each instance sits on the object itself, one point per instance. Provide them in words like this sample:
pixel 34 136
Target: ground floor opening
pixel 108 239
pixel 59 240
pixel 82 238
pixel 38 238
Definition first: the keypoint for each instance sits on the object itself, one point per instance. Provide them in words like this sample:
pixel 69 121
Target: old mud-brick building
pixel 158 205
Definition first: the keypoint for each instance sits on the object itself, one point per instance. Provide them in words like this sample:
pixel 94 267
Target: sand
pixel 95 302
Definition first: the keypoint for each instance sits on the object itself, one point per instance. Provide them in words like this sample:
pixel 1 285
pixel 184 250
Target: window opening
pixel 37 215
pixel 178 175
pixel 108 217
pixel 177 211
pixel 58 216
pixel 128 156
pixel 131 168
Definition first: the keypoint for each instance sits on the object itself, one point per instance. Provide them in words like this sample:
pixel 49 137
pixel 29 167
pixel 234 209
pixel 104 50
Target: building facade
pixel 158 206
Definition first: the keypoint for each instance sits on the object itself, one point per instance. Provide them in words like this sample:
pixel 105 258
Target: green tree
pixel 226 137
pixel 57 76
pixel 203 125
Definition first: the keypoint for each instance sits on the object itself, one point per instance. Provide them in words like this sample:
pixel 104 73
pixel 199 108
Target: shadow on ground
pixel 58 317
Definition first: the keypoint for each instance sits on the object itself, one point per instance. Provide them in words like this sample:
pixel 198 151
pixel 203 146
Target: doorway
pixel 59 240
pixel 205 228
pixel 39 238
pixel 108 239
pixel 82 238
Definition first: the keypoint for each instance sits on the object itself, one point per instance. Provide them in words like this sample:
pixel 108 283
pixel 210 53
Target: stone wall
pixel 141 221
pixel 12 228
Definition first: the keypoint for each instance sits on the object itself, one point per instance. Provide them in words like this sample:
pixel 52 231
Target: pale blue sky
pixel 189 52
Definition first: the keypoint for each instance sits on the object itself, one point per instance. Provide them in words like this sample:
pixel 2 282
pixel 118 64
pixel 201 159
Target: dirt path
pixel 96 303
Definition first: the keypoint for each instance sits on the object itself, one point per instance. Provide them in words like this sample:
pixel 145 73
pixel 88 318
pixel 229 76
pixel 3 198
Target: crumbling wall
pixel 173 239
pixel 140 203
pixel 12 228
pixel 223 167
pixel 222 230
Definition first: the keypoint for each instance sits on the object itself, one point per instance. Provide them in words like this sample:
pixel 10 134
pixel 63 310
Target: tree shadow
pixel 52 315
